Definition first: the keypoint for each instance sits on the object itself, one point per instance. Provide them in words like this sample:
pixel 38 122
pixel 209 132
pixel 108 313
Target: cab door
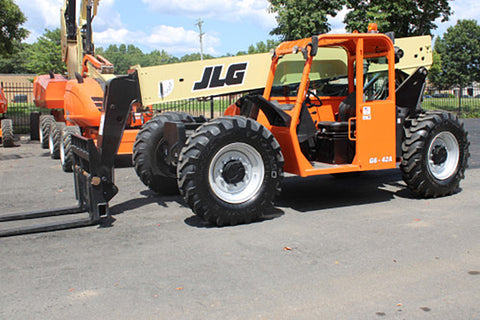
pixel 376 113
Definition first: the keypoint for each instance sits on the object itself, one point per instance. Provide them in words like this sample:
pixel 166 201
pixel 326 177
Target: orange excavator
pixel 76 100
pixel 6 129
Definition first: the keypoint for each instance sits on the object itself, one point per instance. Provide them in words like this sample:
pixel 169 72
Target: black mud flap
pixel 93 166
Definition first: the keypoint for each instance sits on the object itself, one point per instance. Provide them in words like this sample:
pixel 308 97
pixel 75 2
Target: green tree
pixel 195 57
pixel 125 56
pixel 118 56
pixel 11 18
pixel 262 47
pixel 405 18
pixel 301 19
pixel 15 62
pixel 46 54
pixel 460 55
pixel 435 72
pixel 157 57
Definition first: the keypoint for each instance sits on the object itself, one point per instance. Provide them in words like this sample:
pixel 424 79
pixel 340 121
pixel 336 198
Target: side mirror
pixel 314 44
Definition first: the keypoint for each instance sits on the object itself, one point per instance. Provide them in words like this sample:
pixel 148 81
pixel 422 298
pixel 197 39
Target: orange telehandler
pixel 230 169
pixel 6 129
pixel 310 120
pixel 76 101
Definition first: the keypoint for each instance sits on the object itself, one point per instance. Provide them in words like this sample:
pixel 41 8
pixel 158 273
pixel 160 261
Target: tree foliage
pixel 262 47
pixel 15 62
pixel 459 51
pixel 124 56
pixel 11 18
pixel 301 19
pixel 46 54
pixel 405 18
pixel 435 72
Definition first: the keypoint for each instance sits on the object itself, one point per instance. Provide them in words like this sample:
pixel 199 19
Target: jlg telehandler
pixel 230 169
pixel 356 111
pixel 6 129
pixel 307 122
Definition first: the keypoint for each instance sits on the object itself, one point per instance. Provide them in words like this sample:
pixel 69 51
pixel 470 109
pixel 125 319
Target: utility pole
pixel 199 24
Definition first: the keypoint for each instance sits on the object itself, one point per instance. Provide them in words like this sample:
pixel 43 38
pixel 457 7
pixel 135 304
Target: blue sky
pixel 229 25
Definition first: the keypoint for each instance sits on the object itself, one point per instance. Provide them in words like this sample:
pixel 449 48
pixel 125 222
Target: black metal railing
pixel 19 97
pixel 465 102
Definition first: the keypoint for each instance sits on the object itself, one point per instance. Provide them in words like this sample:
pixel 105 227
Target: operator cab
pixel 339 93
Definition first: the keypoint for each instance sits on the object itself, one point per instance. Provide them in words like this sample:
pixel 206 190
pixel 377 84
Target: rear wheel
pixel 44 129
pixel 55 139
pixel 230 171
pixel 7 133
pixel 149 157
pixel 435 154
pixel 66 152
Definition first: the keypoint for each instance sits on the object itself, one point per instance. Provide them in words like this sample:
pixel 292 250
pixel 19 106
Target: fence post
pixel 211 108
pixel 460 100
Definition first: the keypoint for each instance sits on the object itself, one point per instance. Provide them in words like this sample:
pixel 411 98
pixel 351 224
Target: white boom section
pixel 72 49
pixel 213 77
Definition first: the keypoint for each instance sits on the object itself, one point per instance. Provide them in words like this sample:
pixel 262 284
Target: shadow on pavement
pixel 324 192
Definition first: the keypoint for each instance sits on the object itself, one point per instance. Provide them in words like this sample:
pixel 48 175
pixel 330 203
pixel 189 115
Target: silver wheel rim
pixel 445 168
pixel 40 133
pixel 254 173
pixel 51 145
pixel 62 154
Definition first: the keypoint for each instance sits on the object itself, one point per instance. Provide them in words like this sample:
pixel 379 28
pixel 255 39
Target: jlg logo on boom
pixel 211 76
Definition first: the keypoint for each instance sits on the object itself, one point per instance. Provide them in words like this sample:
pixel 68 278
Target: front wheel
pixel 230 170
pixel 434 154
pixel 149 155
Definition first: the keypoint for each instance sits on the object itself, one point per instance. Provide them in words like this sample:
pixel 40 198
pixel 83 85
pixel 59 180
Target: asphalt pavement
pixel 359 247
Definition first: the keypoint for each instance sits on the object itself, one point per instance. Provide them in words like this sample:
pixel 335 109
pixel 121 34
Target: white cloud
pixel 465 9
pixel 41 14
pixel 174 40
pixel 109 29
pixel 336 23
pixel 107 18
pixel 253 11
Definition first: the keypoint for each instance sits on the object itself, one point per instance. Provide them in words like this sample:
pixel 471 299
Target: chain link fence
pixel 465 102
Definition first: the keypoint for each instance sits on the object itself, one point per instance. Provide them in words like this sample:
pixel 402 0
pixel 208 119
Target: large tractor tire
pixel 46 121
pixel 7 133
pixel 148 154
pixel 66 152
pixel 34 126
pixel 434 154
pixel 55 139
pixel 230 171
